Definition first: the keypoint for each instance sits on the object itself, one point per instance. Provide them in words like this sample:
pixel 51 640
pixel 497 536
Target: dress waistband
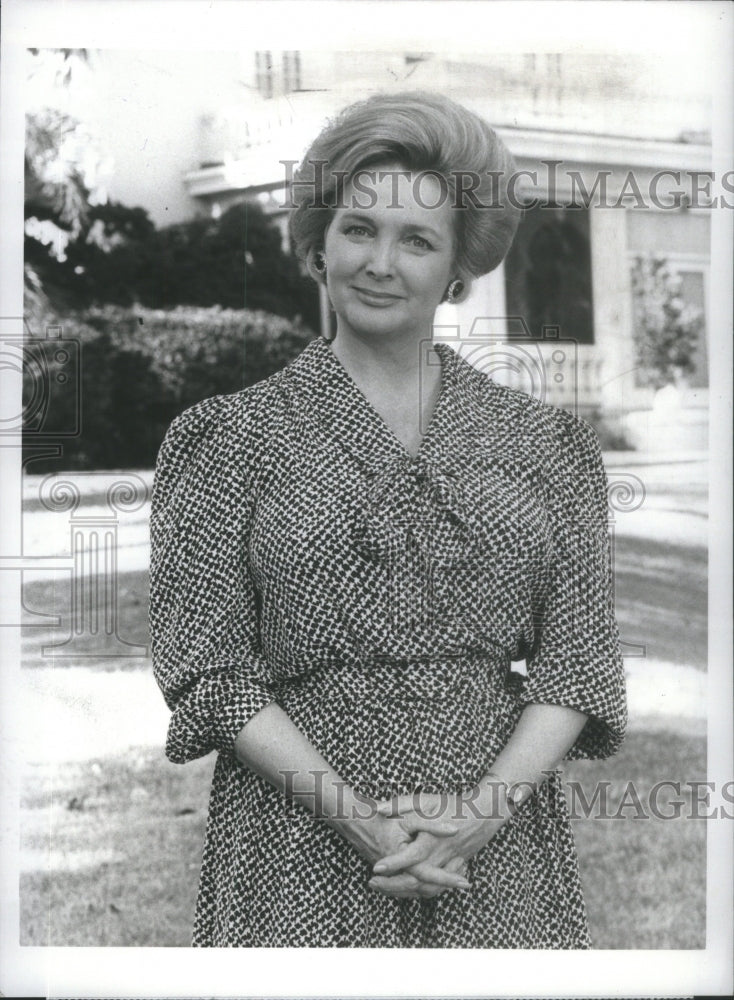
pixel 414 678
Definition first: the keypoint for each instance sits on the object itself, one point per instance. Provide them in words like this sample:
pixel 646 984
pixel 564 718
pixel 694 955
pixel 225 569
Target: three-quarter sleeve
pixel 207 658
pixel 576 659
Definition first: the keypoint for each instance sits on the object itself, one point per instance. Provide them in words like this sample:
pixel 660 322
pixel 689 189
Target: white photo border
pixel 529 25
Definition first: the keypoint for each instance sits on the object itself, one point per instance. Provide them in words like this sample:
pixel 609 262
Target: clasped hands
pixel 420 843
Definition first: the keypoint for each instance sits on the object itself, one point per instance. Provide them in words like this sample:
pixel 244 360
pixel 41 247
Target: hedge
pixel 140 368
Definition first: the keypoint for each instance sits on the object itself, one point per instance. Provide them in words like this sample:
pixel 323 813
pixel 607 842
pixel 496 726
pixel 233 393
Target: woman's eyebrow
pixel 413 227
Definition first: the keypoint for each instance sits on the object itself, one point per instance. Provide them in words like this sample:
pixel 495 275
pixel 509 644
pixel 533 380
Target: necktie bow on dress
pixel 381 530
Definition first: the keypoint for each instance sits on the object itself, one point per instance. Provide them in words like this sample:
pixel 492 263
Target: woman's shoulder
pixel 533 420
pixel 236 412
pixel 560 444
pixel 227 426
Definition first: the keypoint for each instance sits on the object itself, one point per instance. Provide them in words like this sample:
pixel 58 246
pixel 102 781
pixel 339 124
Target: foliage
pixel 140 368
pixel 666 329
pixel 116 255
pixel 612 436
pixel 61 164
pixel 83 250
pixel 236 261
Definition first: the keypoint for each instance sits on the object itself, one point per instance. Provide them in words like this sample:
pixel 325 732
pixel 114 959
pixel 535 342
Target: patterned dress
pixel 301 555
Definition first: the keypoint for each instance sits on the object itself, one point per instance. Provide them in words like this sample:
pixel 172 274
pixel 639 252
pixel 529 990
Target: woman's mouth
pixel 376 298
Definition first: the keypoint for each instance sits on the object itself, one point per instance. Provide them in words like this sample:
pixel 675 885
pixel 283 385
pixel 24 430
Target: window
pixel 548 274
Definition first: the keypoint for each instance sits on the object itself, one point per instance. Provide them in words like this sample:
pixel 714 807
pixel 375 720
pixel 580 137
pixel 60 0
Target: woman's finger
pixel 413 823
pixel 406 856
pixel 457 864
pixel 423 881
pixel 439 876
pixel 395 885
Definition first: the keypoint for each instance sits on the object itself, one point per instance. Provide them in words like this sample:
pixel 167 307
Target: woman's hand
pixel 376 835
pixel 408 885
pixel 477 816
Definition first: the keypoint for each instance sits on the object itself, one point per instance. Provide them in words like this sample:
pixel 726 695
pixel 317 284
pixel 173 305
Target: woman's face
pixel 389 252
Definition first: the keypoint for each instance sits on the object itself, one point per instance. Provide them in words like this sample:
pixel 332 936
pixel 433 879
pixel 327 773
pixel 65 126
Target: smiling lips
pixel 381 298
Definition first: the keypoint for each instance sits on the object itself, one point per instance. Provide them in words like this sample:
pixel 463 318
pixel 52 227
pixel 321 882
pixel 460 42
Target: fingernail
pixel 379 867
pixel 464 884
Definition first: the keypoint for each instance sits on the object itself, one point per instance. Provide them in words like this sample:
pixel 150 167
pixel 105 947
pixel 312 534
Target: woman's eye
pixel 420 242
pixel 355 230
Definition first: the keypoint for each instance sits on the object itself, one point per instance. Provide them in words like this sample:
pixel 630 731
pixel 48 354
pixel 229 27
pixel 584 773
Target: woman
pixel 347 558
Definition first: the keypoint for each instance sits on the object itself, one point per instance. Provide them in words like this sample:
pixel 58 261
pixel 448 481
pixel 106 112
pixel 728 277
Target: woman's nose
pixel 381 261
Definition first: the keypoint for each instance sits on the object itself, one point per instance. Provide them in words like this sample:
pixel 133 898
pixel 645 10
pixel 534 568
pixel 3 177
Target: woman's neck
pixel 402 382
pixel 390 364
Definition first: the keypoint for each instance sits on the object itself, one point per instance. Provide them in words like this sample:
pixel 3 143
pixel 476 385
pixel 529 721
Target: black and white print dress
pixel 301 555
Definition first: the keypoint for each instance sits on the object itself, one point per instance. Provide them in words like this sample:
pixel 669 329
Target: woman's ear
pixel 316 265
pixel 466 281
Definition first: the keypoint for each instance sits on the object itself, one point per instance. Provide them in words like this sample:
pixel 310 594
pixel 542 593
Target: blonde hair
pixel 422 132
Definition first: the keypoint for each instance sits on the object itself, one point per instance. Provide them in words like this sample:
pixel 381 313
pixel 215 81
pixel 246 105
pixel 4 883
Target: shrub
pixel 612 435
pixel 236 261
pixel 141 367
pixel 666 328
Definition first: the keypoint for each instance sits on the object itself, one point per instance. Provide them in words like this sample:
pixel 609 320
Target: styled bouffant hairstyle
pixel 422 132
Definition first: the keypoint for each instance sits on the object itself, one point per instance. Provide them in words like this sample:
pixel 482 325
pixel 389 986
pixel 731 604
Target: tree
pixel 60 183
pixel 236 262
pixel 81 250
pixel 667 330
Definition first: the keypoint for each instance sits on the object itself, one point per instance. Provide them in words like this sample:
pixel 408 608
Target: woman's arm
pixel 207 652
pixel 274 748
pixel 574 692
pixel 543 736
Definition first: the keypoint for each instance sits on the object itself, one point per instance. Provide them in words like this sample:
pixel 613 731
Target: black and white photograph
pixel 365 566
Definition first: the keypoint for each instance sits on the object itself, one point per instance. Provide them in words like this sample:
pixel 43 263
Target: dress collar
pixel 335 402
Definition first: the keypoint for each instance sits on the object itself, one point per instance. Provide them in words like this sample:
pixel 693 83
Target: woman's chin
pixel 380 323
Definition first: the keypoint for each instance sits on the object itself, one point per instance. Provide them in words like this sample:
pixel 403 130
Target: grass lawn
pixel 53 596
pixel 644 879
pixel 661 599
pixel 124 839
